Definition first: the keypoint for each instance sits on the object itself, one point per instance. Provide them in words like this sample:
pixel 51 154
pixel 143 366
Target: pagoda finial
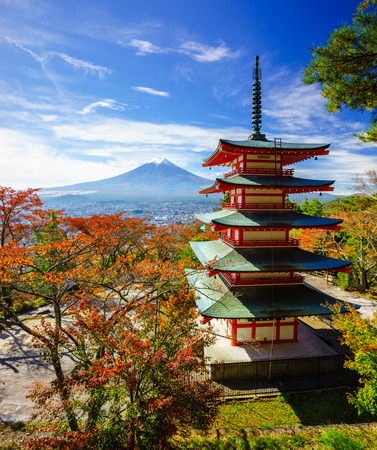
pixel 256 109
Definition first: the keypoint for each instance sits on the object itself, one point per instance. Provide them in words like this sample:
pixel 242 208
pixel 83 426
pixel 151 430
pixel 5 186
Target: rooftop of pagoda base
pixel 308 345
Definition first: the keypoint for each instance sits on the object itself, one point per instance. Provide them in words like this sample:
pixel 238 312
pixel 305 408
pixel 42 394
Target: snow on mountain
pixel 164 161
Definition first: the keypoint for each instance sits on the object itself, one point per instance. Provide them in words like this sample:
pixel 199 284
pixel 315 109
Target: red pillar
pixel 234 332
pixel 295 329
pixel 277 331
pixel 253 329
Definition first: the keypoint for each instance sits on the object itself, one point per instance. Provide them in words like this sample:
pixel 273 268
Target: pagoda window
pixel 252 191
pixel 264 236
pixel 244 334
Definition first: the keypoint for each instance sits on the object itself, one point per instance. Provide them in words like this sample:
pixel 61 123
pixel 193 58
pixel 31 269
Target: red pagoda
pixel 254 283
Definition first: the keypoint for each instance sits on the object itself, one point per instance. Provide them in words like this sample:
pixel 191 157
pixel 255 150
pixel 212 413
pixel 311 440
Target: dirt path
pixel 367 306
pixel 20 365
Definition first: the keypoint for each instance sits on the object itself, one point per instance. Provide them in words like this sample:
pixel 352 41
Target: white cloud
pixel 195 50
pixel 28 161
pixel 46 55
pixel 294 105
pixel 151 91
pixel 81 64
pixel 145 47
pixel 153 135
pixel 206 53
pixel 297 113
pixel 106 103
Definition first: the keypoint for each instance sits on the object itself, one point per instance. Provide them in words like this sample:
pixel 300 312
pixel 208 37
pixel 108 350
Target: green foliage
pixel 339 440
pixel 226 198
pixel 357 239
pixel 346 67
pixel 312 208
pixel 360 335
pixel 346 281
pixel 353 203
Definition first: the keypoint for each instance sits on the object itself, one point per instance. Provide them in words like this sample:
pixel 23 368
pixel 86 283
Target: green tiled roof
pixel 268 145
pixel 224 258
pixel 255 219
pixel 218 301
pixel 257 181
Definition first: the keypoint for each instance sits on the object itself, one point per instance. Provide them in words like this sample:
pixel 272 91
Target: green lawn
pixel 344 438
pixel 314 408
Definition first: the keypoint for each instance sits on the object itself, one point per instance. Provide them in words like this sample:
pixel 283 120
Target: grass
pixel 345 438
pixel 313 408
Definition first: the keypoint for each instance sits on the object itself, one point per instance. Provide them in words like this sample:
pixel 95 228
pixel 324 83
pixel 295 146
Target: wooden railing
pixel 258 206
pixel 259 171
pixel 293 279
pixel 259 243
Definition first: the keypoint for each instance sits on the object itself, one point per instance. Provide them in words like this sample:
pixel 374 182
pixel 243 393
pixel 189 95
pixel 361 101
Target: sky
pixel 91 89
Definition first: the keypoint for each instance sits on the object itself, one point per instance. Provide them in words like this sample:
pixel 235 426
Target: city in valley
pixel 158 212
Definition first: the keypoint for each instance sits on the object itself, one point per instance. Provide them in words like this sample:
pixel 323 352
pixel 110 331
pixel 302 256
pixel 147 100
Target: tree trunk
pixel 63 389
pixel 363 282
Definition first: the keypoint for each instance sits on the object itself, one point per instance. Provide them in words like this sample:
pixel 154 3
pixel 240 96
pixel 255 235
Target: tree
pixel 18 213
pixel 367 186
pixel 356 241
pixel 360 335
pixel 147 382
pixel 312 208
pixel 110 273
pixel 346 67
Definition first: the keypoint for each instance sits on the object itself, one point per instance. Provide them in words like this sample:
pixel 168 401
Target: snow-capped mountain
pixel 158 179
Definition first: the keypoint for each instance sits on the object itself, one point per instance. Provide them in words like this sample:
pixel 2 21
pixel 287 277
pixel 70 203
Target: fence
pixel 263 377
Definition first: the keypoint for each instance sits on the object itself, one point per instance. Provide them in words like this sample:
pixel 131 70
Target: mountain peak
pixel 163 161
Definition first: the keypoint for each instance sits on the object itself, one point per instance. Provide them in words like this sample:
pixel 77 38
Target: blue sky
pixel 90 89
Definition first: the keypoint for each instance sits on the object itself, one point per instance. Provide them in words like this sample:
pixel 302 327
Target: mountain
pixel 158 179
pixel 324 198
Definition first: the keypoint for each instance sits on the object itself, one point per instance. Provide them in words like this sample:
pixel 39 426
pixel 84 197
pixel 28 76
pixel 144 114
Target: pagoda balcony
pixel 259 243
pixel 259 171
pixel 293 279
pixel 258 206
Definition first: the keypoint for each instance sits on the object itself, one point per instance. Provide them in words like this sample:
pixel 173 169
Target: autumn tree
pixel 346 66
pixel 356 241
pixel 18 213
pixel 360 335
pixel 127 274
pixel 146 384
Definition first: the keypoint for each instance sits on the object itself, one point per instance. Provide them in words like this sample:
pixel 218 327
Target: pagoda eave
pixel 221 186
pixel 266 220
pixel 218 227
pixel 216 301
pixel 290 155
pixel 217 255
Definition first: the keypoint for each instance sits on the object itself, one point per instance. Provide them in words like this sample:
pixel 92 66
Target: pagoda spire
pixel 256 109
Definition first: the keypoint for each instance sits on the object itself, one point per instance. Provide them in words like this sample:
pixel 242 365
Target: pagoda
pixel 253 282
